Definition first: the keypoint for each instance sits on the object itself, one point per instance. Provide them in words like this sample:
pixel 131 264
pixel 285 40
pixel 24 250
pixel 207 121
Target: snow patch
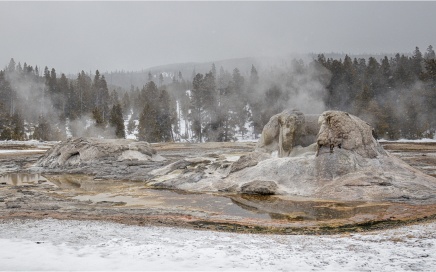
pixel 14 151
pixel 86 245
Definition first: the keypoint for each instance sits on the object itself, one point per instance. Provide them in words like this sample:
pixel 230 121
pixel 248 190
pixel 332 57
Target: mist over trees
pixel 51 107
pixel 396 95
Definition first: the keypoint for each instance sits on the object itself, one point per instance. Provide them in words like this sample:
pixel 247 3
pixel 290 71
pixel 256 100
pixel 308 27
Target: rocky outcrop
pixel 82 152
pixel 76 151
pixel 343 130
pixel 248 160
pixel 347 164
pixel 286 130
pixel 259 187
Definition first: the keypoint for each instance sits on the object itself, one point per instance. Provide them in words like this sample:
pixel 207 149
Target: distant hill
pixel 378 57
pixel 125 79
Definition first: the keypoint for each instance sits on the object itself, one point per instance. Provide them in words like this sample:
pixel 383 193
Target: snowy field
pixel 423 140
pixel 31 143
pixel 13 151
pixel 84 245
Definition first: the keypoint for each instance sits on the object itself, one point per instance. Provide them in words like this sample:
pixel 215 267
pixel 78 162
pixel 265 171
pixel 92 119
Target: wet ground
pixel 26 195
pixel 419 155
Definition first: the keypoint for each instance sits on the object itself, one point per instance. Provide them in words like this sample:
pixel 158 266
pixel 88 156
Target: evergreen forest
pixel 396 95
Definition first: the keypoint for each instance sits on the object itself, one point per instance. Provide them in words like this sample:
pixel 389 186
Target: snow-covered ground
pixel 424 140
pixel 14 151
pixel 30 143
pixel 84 245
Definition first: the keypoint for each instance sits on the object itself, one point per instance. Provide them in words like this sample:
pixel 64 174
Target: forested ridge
pixel 396 95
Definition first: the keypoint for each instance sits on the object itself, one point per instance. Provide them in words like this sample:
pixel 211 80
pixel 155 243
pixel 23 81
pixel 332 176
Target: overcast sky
pixel 74 36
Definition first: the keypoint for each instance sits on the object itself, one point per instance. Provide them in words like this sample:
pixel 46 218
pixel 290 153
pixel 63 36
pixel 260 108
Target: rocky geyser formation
pixel 344 162
pixel 286 130
pixel 104 157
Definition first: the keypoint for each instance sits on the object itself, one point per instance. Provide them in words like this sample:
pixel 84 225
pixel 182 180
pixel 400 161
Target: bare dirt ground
pixel 26 195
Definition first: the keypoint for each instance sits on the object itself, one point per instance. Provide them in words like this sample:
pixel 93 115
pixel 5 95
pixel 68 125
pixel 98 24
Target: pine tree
pixel 197 106
pixel 379 120
pixel 116 121
pixel 61 97
pixel 43 130
pixel 254 77
pixel 52 84
pixel 100 95
pixel 372 78
pixel 350 84
pixel 84 93
pixel 335 87
pixel 6 94
pixel 148 128
pixel 72 107
pixel 211 122
pixel 164 119
pixel 6 133
pixel 98 118
pixel 227 116
pixel 254 101
pixel 240 101
pixel 137 99
pixel 213 70
pixel 161 79
pixel 4 117
pixel 402 75
pixel 225 119
pixel 362 101
pixel 417 63
pixel 430 67
pixel 430 54
pixel 20 69
pixel 17 125
pixel 125 104
pixel 11 66
pixel 386 73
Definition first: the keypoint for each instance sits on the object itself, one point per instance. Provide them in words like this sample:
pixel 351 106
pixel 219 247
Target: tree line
pixel 34 106
pixel 396 95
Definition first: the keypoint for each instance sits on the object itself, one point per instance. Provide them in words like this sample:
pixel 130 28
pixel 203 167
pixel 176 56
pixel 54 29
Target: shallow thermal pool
pixel 136 195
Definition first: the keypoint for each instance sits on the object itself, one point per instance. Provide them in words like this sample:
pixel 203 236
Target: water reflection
pixel 298 210
pixel 134 194
pixel 20 179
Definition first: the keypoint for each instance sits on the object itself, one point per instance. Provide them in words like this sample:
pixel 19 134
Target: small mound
pixel 85 151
